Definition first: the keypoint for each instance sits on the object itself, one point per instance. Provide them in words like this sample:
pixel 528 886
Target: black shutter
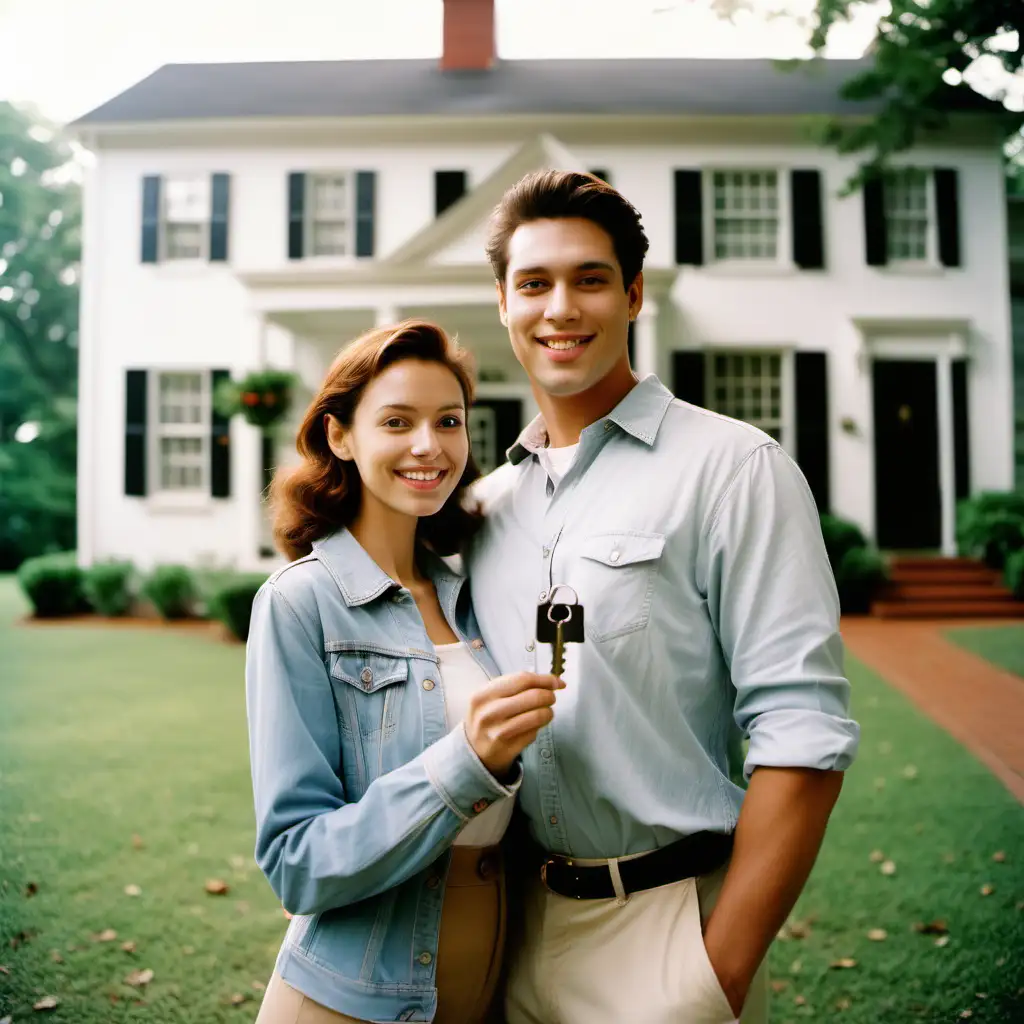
pixel 808 226
pixel 876 241
pixel 219 194
pixel 812 440
pixel 449 188
pixel 601 173
pixel 366 189
pixel 688 377
pixel 220 443
pixel 947 209
pixel 150 218
pixel 135 395
pixel 296 215
pixel 961 435
pixel 689 217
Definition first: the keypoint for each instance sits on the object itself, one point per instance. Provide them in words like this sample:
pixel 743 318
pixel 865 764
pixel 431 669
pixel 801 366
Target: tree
pixel 40 246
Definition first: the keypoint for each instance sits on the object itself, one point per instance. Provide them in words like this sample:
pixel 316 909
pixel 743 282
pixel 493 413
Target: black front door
pixel 908 507
pixel 494 425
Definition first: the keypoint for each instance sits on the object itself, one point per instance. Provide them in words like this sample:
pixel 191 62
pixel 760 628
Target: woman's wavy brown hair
pixel 323 493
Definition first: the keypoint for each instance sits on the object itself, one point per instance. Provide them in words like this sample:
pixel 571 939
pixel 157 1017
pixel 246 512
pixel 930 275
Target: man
pixel 693 544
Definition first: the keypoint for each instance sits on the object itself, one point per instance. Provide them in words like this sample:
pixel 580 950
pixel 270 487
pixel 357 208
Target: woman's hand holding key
pixel 505 716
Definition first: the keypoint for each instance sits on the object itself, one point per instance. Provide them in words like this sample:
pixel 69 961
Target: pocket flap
pixel 367 671
pixel 620 548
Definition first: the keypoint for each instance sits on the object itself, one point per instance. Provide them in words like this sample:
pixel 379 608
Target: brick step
pixel 942 591
pixel 924 562
pixel 977 609
pixel 942 575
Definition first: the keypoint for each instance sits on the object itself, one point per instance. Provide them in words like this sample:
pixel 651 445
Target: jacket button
pixel 614 556
pixel 366 675
pixel 433 882
pixel 480 806
pixel 485 869
pixel 425 958
pixel 428 684
pixel 477 644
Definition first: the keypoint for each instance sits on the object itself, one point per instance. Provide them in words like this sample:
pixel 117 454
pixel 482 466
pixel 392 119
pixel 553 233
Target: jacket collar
pixel 639 414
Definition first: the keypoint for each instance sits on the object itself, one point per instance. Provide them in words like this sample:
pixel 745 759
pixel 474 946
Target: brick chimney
pixel 469 41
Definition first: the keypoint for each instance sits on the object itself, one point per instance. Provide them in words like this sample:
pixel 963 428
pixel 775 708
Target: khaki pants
pixel 469 956
pixel 602 962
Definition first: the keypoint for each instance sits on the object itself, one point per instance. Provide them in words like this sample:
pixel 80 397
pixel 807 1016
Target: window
pixel 483 434
pixel 748 386
pixel 331 205
pixel 186 218
pixel 907 215
pixel 745 223
pixel 181 431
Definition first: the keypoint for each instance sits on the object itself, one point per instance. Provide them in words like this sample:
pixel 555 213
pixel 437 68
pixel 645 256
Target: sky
pixel 68 56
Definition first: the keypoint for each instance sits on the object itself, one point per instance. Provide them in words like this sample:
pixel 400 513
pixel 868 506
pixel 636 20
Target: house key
pixel 559 624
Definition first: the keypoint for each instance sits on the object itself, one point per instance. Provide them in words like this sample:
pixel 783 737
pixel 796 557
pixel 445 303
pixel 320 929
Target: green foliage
pixel 108 587
pixel 861 573
pixel 263 397
pixel 53 584
pixel 172 590
pixel 1013 573
pixel 231 602
pixel 990 526
pixel 40 244
pixel 840 536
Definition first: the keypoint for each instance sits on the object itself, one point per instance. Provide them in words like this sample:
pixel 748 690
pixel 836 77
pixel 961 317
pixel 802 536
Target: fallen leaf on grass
pixel 21 938
pixel 128 947
pixel 187 950
pixel 878 935
pixel 239 863
pixel 6 1020
pixel 31 889
pixel 999 856
pixel 910 771
pixel 46 1003
pixel 876 857
pixel 795 967
pixel 937 927
pixel 56 957
pixel 107 935
pixel 949 858
pixel 138 979
pixel 217 887
pixel 259 986
pixel 964 1014
pixel 987 890
pixel 844 963
pixel 941 941
pixel 132 890
pixel 780 985
pixel 4 969
pixel 800 1001
pixel 842 1004
pixel 237 998
pixel 1001 962
pixel 138 842
pixel 879 783
pixel 888 867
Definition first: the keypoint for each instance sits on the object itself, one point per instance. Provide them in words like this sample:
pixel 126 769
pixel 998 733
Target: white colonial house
pixel 240 216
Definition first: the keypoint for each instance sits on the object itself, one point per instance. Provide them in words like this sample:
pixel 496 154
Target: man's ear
pixel 337 438
pixel 636 296
pixel 502 309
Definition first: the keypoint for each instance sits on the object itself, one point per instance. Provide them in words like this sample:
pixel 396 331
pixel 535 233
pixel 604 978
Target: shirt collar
pixel 640 414
pixel 359 577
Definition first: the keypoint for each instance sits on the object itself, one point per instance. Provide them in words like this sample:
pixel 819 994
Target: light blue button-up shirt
pixel 695 548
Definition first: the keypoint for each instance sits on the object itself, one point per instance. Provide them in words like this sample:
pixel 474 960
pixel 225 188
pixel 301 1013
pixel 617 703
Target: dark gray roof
pixel 374 88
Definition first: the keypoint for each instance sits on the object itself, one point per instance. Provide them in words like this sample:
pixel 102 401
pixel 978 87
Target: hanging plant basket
pixel 263 398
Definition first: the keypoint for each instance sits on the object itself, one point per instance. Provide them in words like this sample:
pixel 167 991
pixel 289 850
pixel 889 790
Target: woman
pixel 384 756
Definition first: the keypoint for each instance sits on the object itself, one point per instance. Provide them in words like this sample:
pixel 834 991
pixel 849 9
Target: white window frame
pixel 931 257
pixel 787 386
pixel 204 234
pixel 156 431
pixel 310 219
pixel 783 241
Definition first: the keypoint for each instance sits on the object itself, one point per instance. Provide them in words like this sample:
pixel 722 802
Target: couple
pixel 398 710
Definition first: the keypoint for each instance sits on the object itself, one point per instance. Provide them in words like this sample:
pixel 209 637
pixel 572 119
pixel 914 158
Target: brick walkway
pixel 980 705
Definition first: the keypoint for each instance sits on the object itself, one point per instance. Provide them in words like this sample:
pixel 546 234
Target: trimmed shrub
pixel 231 602
pixel 990 526
pixel 108 587
pixel 172 590
pixel 860 575
pixel 53 584
pixel 840 536
pixel 1013 573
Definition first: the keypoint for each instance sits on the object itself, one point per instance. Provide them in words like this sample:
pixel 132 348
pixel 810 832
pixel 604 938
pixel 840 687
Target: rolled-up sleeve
pixel 773 600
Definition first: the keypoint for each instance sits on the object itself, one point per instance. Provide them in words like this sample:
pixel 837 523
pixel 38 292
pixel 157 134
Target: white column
pixel 386 315
pixel 645 341
pixel 947 467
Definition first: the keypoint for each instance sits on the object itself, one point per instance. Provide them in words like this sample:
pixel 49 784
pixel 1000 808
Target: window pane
pixel 748 386
pixel 331 239
pixel 184 241
pixel 186 199
pixel 181 463
pixel 746 223
pixel 181 398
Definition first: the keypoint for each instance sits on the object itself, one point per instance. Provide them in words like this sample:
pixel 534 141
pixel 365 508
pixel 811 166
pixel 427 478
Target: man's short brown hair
pixel 550 195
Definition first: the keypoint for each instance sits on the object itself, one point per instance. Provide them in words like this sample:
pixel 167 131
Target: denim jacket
pixel 359 786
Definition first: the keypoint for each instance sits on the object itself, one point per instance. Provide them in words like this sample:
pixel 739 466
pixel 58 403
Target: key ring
pixel 562 586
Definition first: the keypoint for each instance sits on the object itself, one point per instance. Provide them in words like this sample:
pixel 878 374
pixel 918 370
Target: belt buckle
pixel 544 872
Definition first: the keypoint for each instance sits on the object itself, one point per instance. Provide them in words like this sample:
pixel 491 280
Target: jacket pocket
pixel 617 573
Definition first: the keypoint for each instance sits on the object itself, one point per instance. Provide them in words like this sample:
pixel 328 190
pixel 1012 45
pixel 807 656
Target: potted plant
pixel 263 397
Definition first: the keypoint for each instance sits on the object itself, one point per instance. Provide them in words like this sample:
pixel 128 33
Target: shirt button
pixel 542 596
pixel 477 644
pixel 553 819
pixel 530 646
pixel 545 753
pixel 545 552
pixel 433 882
pixel 614 556
pixel 425 959
pixel 480 806
pixel 366 675
pixel 428 684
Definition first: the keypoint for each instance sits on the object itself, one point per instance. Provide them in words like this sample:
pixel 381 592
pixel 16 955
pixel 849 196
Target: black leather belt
pixel 689 857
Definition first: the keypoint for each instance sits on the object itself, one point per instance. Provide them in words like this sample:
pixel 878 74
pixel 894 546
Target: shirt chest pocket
pixel 616 574
pixel 370 689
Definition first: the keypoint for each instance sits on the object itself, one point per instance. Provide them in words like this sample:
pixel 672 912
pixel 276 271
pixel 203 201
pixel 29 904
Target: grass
pixel 1001 645
pixel 109 733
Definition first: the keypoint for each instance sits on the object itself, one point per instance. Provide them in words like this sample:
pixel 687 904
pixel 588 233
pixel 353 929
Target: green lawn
pixel 106 734
pixel 1002 645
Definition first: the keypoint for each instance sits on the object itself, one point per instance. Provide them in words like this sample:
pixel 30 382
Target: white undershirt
pixel 461 676
pixel 558 460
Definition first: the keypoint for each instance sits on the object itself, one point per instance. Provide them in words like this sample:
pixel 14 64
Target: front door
pixel 494 425
pixel 908 509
